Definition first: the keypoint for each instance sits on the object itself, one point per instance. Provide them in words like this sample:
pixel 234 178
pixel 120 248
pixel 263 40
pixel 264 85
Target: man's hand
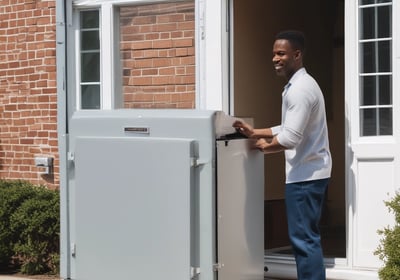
pixel 243 128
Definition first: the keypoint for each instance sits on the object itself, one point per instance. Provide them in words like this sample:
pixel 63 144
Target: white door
pixel 372 120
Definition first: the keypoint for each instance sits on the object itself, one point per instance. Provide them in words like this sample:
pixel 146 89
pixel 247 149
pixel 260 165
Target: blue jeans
pixel 304 202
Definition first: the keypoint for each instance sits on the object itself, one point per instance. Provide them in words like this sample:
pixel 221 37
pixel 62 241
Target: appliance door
pixel 133 211
pixel 240 211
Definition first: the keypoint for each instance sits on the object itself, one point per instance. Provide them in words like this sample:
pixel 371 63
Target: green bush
pixel 389 248
pixel 29 227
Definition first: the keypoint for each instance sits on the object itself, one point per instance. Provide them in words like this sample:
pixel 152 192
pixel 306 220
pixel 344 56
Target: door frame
pixel 337 268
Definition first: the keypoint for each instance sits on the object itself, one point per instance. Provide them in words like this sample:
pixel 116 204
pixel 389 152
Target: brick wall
pixel 158 60
pixel 28 96
pixel 158 55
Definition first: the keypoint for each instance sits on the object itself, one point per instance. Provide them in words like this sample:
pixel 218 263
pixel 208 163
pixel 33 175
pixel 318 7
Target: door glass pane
pixel 157 46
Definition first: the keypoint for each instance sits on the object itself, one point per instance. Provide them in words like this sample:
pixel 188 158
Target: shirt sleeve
pixel 275 129
pixel 299 107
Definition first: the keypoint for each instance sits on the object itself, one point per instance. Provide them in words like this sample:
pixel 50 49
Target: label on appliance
pixel 135 129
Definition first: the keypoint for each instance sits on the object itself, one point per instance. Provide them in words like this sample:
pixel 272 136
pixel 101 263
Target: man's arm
pixel 251 132
pixel 269 145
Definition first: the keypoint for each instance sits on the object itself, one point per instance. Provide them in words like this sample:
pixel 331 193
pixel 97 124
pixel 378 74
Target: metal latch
pixel 71 156
pixel 196 162
pixel 218 266
pixel 73 250
pixel 194 271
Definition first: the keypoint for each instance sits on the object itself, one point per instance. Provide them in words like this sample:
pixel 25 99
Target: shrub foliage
pixel 389 248
pixel 29 227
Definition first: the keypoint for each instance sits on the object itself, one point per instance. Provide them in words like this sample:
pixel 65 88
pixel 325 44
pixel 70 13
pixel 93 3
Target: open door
pixel 257 93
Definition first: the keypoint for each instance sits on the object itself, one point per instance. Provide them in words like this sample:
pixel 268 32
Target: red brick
pixel 161 62
pixel 142 45
pixel 178 43
pixel 140 81
pixel 162 44
pixel 142 20
pixel 147 72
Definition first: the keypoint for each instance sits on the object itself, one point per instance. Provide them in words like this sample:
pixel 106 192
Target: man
pixel 303 136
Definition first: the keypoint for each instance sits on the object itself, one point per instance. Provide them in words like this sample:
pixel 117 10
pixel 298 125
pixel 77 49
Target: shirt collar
pixel 295 76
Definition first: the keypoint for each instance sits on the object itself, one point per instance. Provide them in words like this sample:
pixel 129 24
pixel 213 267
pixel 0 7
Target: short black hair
pixel 296 39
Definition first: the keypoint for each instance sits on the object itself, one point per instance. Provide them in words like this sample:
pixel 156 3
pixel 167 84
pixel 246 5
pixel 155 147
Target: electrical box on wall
pixel 46 163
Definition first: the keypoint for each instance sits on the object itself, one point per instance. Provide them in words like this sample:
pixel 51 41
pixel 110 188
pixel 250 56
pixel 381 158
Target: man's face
pixel 285 59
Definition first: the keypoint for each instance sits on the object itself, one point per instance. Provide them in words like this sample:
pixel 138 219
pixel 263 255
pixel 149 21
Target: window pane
pixel 385 90
pixel 376 22
pixel 376 88
pixel 89 19
pixel 90 97
pixel 368 122
pixel 90 67
pixel 376 57
pixel 384 22
pixel 385 121
pixel 90 40
pixel 368 90
pixel 376 121
pixel 158 55
pixel 367 2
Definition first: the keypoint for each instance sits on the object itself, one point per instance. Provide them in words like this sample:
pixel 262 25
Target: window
pixel 135 55
pixel 89 60
pixel 375 42
pixel 157 45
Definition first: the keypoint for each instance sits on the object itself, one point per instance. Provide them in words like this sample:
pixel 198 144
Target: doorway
pixel 257 94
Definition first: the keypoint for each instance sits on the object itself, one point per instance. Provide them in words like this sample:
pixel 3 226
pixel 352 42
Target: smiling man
pixel 303 136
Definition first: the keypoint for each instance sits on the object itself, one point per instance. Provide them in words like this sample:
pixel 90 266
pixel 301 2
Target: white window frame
pixel 77 64
pixel 353 75
pixel 211 90
pixel 396 68
pixel 391 39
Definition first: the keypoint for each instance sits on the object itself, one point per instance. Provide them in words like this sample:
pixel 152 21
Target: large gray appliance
pixel 153 194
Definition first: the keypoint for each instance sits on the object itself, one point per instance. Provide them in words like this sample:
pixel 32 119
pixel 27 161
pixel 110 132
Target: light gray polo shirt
pixel 303 130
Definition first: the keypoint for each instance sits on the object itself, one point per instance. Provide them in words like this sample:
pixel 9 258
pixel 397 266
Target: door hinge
pixel 218 266
pixel 194 271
